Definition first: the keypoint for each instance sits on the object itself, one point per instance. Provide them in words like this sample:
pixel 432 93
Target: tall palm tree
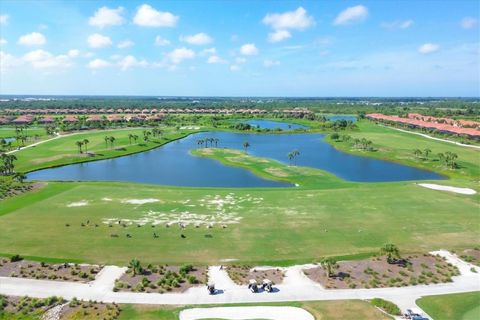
pixel 290 157
pixel 112 140
pixel 296 153
pixel 417 152
pixel 200 142
pixel 107 139
pixel 216 140
pixel 427 152
pixel 79 145
pixel 135 138
pixel 130 137
pixel 246 145
pixel 391 251
pixel 86 142
pixel 328 263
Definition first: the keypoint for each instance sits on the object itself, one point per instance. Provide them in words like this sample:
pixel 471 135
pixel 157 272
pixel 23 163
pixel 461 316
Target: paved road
pixel 296 287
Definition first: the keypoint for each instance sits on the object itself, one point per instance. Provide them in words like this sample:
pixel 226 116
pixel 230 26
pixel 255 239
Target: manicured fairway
pixel 321 310
pixel 462 306
pixel 270 228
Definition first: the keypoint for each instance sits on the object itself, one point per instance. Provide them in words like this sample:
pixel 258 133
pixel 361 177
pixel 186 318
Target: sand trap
pixel 245 313
pixel 78 204
pixel 448 188
pixel 139 201
pixel 106 199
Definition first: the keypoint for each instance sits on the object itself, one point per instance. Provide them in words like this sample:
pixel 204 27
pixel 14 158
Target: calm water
pixel 173 165
pixel 341 117
pixel 272 125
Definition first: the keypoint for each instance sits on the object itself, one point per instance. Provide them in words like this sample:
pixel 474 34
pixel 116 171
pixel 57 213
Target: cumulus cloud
pixel 234 67
pixel 398 24
pixel 267 63
pixel 97 40
pixel 131 62
pixel 240 60
pixel 279 35
pixel 125 44
pixel 281 23
pixel 351 15
pixel 105 17
pixel 3 41
pixel 41 59
pixel 298 19
pixel 32 39
pixel 213 59
pixel 73 53
pixel 98 64
pixel 3 20
pixel 197 39
pixel 208 51
pixel 468 23
pixel 428 48
pixel 178 55
pixel 147 16
pixel 159 41
pixel 249 49
pixel 8 61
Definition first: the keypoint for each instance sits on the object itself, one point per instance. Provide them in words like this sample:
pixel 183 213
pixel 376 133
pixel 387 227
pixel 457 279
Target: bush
pixel 16 258
pixel 387 306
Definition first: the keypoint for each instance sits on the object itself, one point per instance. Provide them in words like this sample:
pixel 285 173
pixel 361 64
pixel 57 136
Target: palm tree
pixel 135 266
pixel 200 142
pixel 19 176
pixel 216 140
pixel 130 137
pixel 79 145
pixel 85 142
pixel 135 138
pixel 391 251
pixel 296 153
pixel 290 157
pixel 328 263
pixel 107 139
pixel 417 152
pixel 246 145
pixel 112 140
pixel 427 152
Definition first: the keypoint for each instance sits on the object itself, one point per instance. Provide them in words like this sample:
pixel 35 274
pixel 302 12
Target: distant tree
pixel 200 142
pixel 427 152
pixel 79 145
pixel 107 140
pixel 391 251
pixel 130 137
pixel 112 140
pixel 290 157
pixel 246 145
pixel 216 140
pixel 335 136
pixel 86 142
pixel 19 176
pixel 417 153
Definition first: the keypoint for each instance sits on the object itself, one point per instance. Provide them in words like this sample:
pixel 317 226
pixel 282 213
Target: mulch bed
pixel 470 255
pixel 241 274
pixel 377 273
pixel 41 270
pixel 163 278
pixel 26 306
pixel 93 310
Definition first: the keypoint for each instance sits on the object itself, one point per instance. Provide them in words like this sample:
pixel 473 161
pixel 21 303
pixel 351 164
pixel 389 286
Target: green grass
pixel 321 310
pixel 64 151
pixel 461 306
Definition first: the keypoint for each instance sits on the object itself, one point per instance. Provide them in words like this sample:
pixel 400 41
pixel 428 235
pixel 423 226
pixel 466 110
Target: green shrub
pixel 387 306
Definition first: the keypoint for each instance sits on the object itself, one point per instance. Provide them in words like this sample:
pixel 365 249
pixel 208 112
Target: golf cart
pixel 267 285
pixel 253 286
pixel 211 288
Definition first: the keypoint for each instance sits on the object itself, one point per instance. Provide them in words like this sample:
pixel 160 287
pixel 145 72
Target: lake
pixel 272 125
pixel 172 163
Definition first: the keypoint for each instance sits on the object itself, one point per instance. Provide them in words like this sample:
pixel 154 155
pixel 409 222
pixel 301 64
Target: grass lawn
pixel 64 150
pixel 461 306
pixel 321 310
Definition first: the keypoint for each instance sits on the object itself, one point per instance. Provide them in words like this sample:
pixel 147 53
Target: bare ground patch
pixel 470 255
pixel 377 273
pixel 241 274
pixel 277 172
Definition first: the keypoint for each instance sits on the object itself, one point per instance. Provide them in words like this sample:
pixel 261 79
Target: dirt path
pixel 433 138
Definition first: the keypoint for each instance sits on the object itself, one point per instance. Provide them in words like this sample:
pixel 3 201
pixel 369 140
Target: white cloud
pixel 279 35
pixel 98 41
pixel 147 16
pixel 398 24
pixel 208 51
pixel 7 61
pixel 159 41
pixel 125 44
pixel 215 59
pixel 3 41
pixel 197 39
pixel 105 17
pixel 41 59
pixel 3 20
pixel 73 53
pixel 267 63
pixel 178 55
pixel 298 19
pixel 89 55
pixel 351 15
pixel 131 62
pixel 428 48
pixel 248 49
pixel 32 39
pixel 240 60
pixel 98 64
pixel 468 23
pixel 234 67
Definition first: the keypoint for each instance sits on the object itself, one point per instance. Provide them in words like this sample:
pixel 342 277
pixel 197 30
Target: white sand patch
pixel 448 188
pixel 189 128
pixel 245 313
pixel 139 201
pixel 106 199
pixel 81 203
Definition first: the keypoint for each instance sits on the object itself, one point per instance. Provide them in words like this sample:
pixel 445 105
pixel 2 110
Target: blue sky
pixel 240 48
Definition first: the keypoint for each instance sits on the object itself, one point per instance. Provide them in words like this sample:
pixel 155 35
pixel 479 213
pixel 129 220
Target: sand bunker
pixel 448 188
pixel 78 204
pixel 244 313
pixel 139 201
